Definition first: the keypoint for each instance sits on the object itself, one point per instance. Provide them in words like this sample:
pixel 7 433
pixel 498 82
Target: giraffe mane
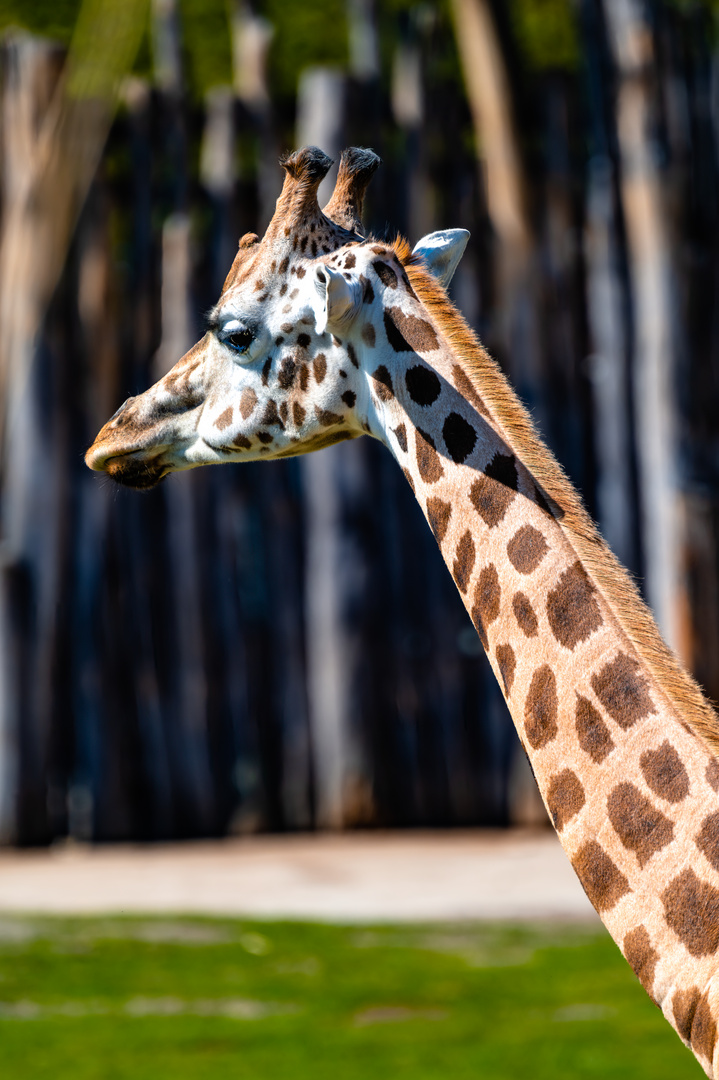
pixel 605 570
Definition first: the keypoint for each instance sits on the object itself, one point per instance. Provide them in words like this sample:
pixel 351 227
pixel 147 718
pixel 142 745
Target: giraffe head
pixel 280 369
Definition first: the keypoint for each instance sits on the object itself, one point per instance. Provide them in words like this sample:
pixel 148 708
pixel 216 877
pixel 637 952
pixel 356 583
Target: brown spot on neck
pixel 428 462
pixel 601 880
pixel 385 273
pixel 493 492
pixel 664 773
pixel 684 1005
pixel 487 596
pixel 507 663
pixel 565 797
pixel 464 561
pixel 525 615
pixel 708 839
pixel 704 1029
pixel 400 434
pixel 691 909
pixel 526 549
pixel 622 690
pixel 467 390
pixel 572 609
pixel 641 956
pixel 423 385
pixel 459 436
pixel 438 515
pixel 592 733
pixel 367 290
pixel 712 774
pixel 541 708
pixel 408 333
pixel 383 383
pixel 640 826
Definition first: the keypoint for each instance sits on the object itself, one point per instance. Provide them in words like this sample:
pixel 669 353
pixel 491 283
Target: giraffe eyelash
pixel 212 321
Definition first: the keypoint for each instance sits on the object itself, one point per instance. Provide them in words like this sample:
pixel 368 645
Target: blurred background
pixel 280 647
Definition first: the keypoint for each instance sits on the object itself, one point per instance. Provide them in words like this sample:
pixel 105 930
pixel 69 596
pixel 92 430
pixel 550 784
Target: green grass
pixel 168 999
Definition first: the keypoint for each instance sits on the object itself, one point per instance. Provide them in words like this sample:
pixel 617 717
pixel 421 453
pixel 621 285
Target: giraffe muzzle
pixel 131 447
pixel 139 468
pixel 136 470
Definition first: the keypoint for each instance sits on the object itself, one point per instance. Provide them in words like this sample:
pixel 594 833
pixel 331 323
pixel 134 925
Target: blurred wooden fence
pixel 280 646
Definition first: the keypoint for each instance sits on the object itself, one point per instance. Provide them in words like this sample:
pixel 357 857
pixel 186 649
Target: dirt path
pixel 344 878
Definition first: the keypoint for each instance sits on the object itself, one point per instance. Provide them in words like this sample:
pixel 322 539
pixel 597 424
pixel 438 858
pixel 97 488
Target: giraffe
pixel 322 334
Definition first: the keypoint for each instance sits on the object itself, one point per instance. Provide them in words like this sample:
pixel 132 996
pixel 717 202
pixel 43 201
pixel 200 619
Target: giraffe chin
pixel 133 473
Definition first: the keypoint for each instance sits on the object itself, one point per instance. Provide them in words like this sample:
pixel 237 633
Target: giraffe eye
pixel 238 340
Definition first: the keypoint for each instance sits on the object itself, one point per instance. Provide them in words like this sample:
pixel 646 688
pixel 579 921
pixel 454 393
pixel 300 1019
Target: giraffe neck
pixel 618 736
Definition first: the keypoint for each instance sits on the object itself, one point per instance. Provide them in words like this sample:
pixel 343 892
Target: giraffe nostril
pixel 122 408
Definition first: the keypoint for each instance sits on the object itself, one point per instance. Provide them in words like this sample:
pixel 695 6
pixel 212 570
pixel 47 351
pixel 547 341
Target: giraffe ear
pixel 442 252
pixel 335 300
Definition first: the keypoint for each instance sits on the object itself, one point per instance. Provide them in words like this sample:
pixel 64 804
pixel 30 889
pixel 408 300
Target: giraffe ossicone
pixel 322 334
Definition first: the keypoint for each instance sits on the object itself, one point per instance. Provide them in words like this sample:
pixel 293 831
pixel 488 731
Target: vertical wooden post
pixel 29 472
pixel 334 559
pixel 517 330
pixel 608 305
pixel 320 118
pixel 648 225
pixel 217 176
pixel 489 95
pixel 55 127
pixel 607 318
pixel 408 108
pixel 251 39
pixel 189 692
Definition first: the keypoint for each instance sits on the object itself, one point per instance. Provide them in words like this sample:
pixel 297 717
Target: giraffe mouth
pixel 134 472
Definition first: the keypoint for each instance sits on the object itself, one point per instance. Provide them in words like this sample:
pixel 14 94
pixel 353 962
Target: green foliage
pixel 308 33
pixel 547 33
pixel 313 32
pixel 204 26
pixel 207 44
pixel 692 5
pixel 107 42
pixel 104 46
pixel 50 18
pixel 182 998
